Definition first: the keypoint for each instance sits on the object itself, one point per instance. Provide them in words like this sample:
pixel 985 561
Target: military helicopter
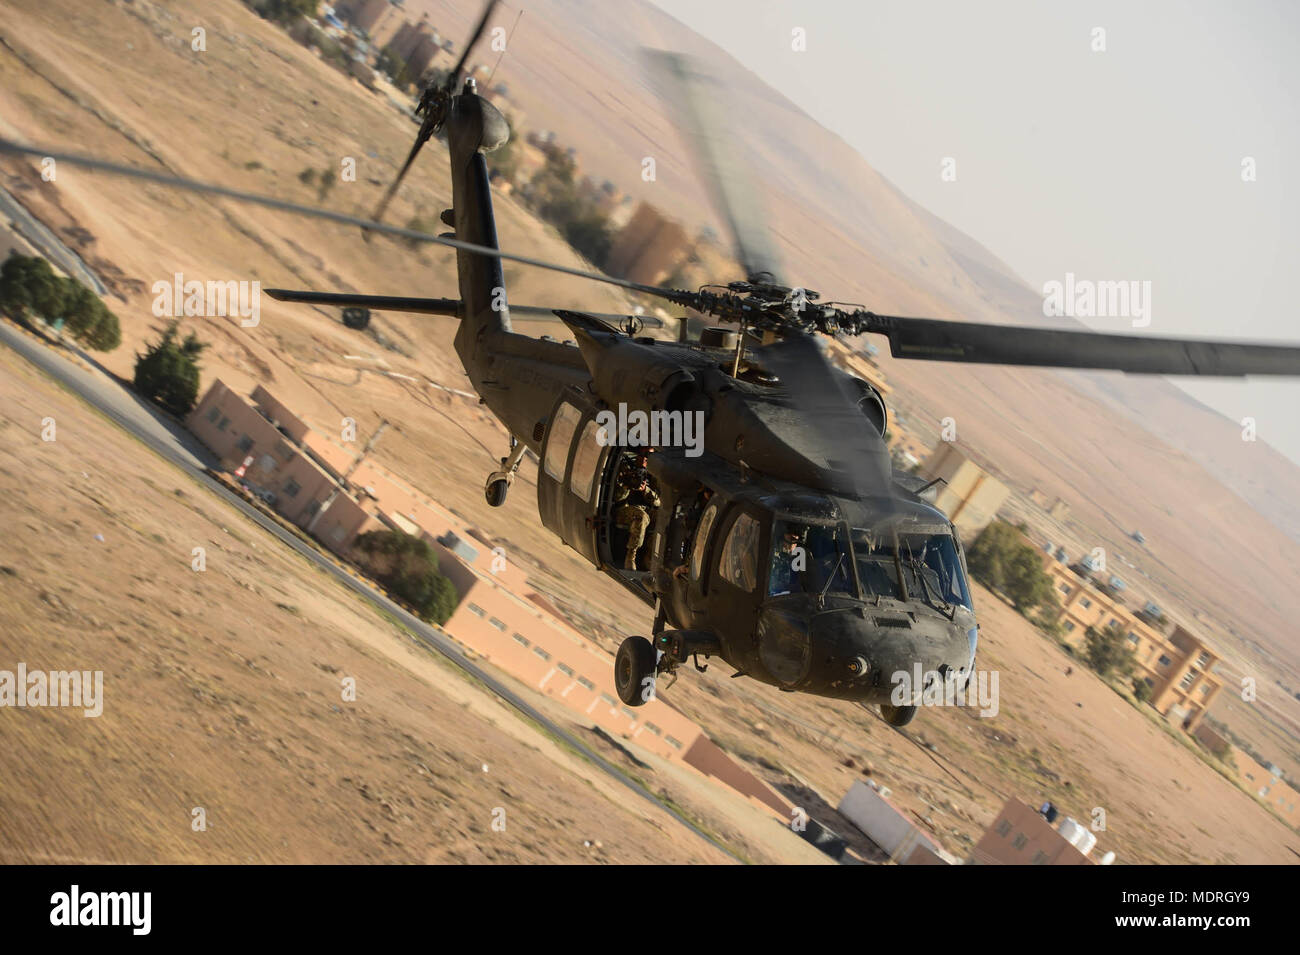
pixel 783 541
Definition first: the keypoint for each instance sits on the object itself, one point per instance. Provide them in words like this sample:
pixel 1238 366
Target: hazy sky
pixel 1122 164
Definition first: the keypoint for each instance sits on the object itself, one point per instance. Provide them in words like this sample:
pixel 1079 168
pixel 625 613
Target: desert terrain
pixel 254 111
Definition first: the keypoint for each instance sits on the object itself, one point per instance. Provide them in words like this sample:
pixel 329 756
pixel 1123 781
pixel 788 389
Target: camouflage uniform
pixel 632 511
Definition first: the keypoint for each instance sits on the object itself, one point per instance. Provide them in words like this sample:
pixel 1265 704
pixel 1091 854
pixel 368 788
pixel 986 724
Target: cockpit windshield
pixel 809 558
pixel 899 562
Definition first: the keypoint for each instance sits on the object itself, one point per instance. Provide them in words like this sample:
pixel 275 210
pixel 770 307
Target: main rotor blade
pixel 343 218
pixel 695 95
pixel 432 306
pixel 934 340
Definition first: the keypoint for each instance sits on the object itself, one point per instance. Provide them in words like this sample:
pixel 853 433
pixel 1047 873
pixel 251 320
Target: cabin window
pixel 557 446
pixel 702 541
pixel 584 462
pixel 739 564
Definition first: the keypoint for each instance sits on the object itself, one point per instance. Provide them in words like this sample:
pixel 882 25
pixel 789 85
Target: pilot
pixel 789 553
pixel 634 499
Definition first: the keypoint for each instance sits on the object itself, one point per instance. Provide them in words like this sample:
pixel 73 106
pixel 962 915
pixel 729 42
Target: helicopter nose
pixel 876 657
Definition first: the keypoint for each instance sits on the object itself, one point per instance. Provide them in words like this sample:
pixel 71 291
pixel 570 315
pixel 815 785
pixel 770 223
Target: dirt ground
pixel 223 690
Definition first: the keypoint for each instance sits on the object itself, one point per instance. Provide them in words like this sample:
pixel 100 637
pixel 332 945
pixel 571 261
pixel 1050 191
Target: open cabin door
pixel 568 476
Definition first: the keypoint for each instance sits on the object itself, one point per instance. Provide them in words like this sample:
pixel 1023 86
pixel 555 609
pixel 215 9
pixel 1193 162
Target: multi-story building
pixel 1176 666
pixel 1268 785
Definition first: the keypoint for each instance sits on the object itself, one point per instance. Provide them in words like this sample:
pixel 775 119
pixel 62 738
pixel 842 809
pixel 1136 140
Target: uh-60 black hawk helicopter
pixel 789 546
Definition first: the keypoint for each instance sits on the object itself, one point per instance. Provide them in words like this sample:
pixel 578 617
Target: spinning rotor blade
pixel 696 97
pixel 283 205
pixel 834 429
pixel 935 340
pixel 431 120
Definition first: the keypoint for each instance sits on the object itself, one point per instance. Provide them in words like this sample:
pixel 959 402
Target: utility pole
pixel 343 481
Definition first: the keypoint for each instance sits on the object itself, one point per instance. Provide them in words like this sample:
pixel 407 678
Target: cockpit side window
pixel 739 563
pixel 702 540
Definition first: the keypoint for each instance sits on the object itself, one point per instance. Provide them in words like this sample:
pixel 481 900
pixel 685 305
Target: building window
pixel 1188 679
pixel 292 488
pixel 214 414
pixel 628 713
pixel 541 653
pixel 1205 690
pixel 1133 638
pixel 498 624
pixel 1164 660
pixel 1203 660
pixel 1085 602
pixel 477 611
pixel 1114 622
pixel 1069 626
pixel 1040 857
pixel 564 668
pixel 654 729
pixel 1149 682
pixel 674 743
pixel 606 698
pixel 521 640
pixel 1065 588
pixel 1020 841
pixel 245 443
pixel 586 684
pixel 221 426
pixel 1004 828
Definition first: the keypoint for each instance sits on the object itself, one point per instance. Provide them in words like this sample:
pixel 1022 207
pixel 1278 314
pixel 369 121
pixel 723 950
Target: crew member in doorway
pixel 634 499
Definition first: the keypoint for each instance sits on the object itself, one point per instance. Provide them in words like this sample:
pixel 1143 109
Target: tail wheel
pixel 633 667
pixel 897 715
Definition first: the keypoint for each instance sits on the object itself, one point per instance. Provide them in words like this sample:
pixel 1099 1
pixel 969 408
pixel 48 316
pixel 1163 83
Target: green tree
pixel 168 372
pixel 1001 560
pixel 285 11
pixel 1108 652
pixel 408 567
pixel 87 319
pixel 29 285
pixel 1141 691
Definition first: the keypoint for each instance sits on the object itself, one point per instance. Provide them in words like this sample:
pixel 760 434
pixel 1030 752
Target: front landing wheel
pixel 634 671
pixel 897 715
pixel 495 492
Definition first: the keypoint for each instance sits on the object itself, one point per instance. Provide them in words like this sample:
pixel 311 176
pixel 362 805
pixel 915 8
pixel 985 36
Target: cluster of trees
pixel 168 372
pixel 29 287
pixel 1002 561
pixel 284 11
pixel 408 568
pixel 553 195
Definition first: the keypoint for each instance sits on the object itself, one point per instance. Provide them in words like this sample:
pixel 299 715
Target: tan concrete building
pixel 1022 835
pixel 648 248
pixel 1269 786
pixel 1176 666
pixel 970 496
pixel 257 433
